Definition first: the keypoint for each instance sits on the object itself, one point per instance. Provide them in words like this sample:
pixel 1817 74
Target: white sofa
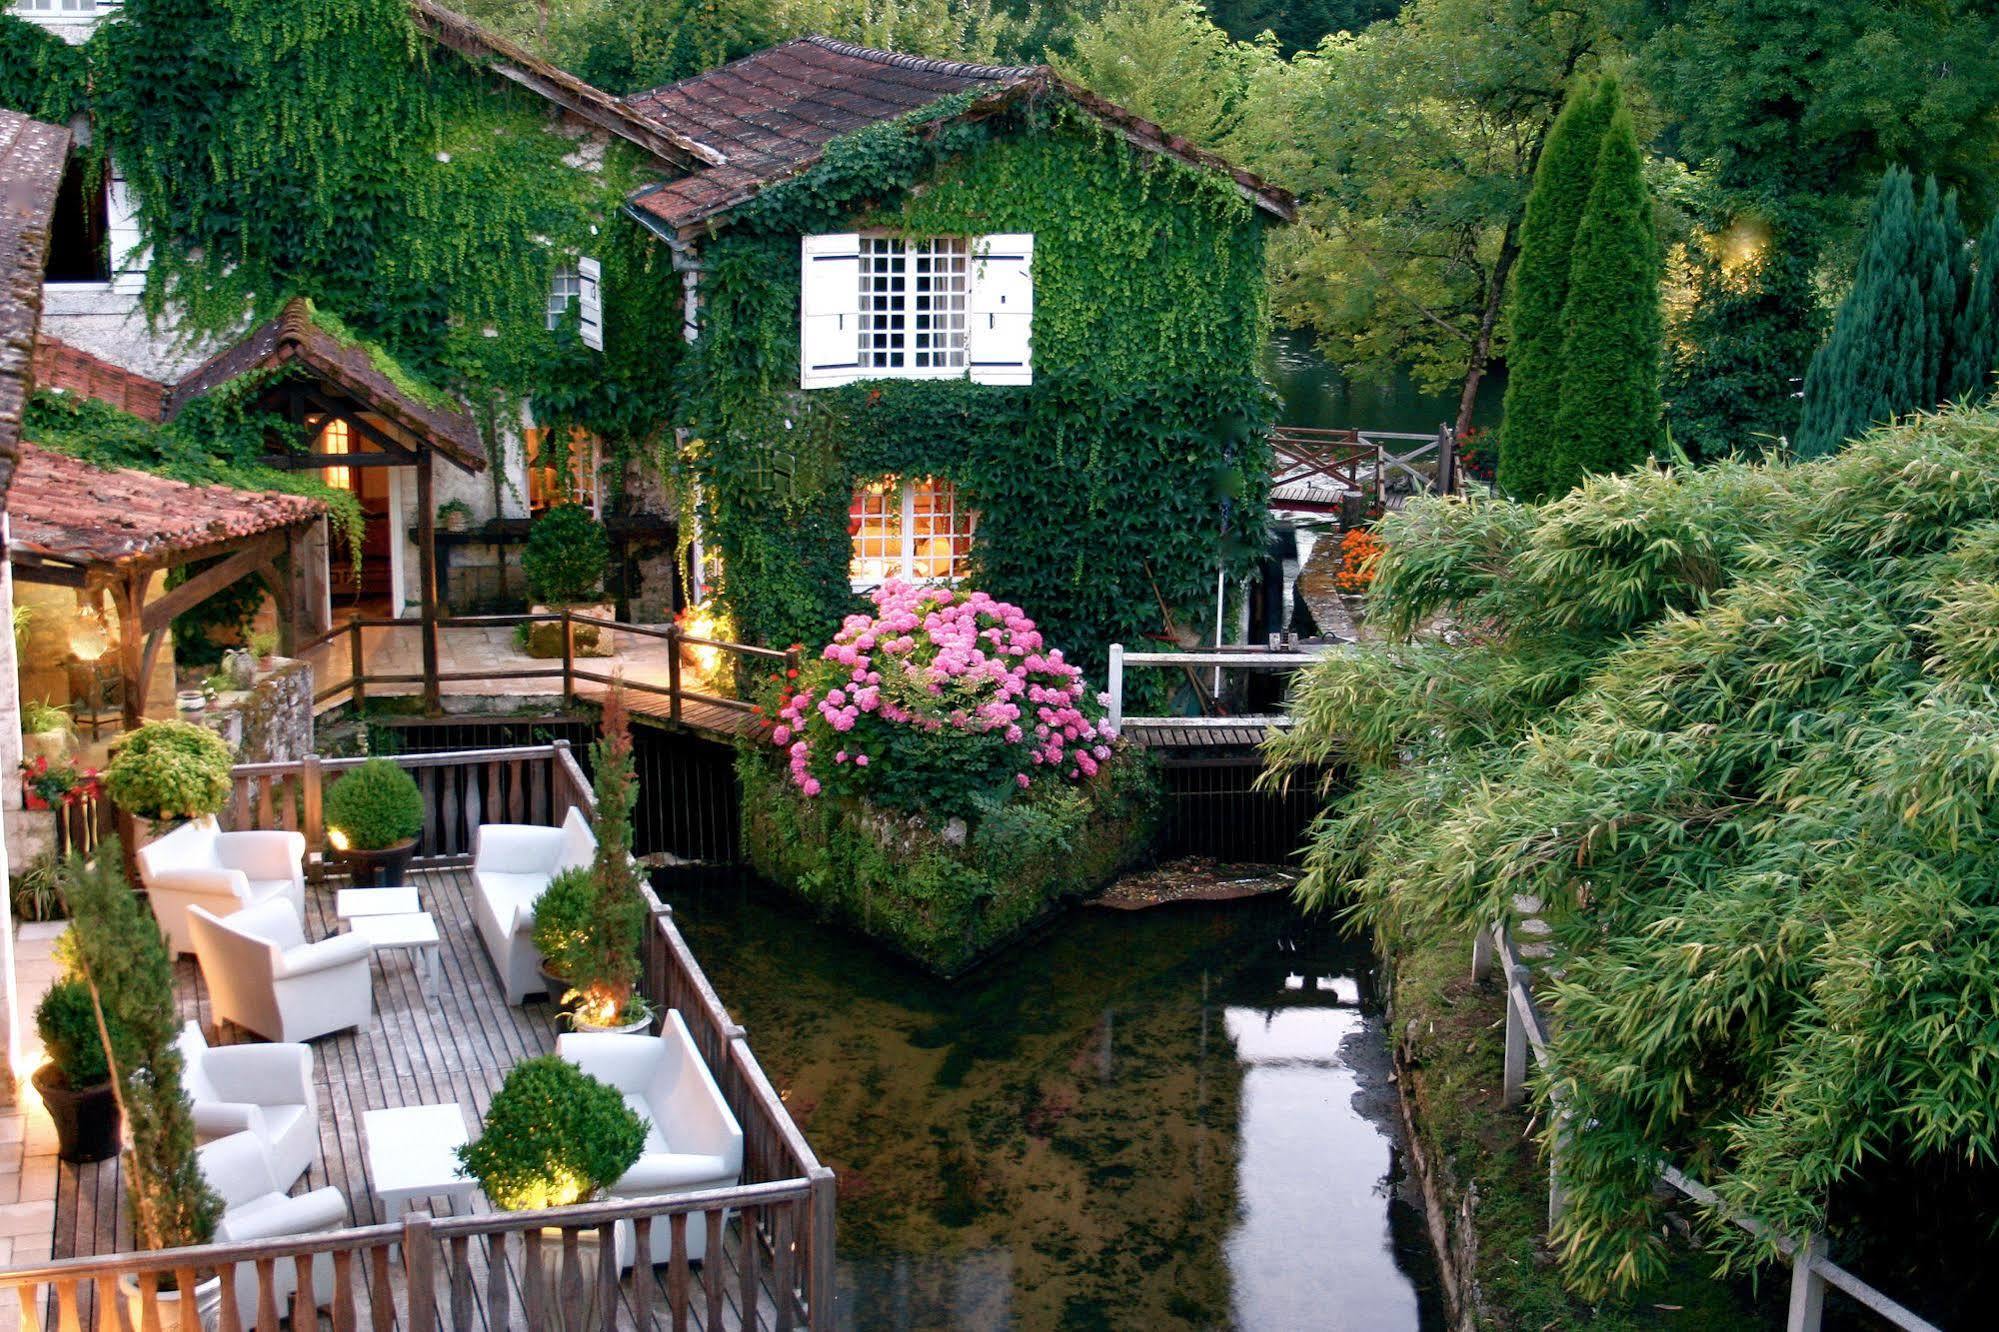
pixel 256 1207
pixel 512 864
pixel 197 864
pixel 264 1090
pixel 264 976
pixel 692 1139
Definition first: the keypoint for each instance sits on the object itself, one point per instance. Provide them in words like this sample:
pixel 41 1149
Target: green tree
pixel 1975 333
pixel 1886 355
pixel 1413 144
pixel 1298 25
pixel 629 47
pixel 1166 61
pixel 1535 325
pixel 1609 415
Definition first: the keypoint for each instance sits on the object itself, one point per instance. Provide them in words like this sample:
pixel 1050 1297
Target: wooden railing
pixel 1247 657
pixel 1369 463
pixel 1527 1033
pixel 563 673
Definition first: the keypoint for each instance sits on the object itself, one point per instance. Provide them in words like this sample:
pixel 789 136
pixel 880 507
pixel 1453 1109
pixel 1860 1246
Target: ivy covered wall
pixel 1116 483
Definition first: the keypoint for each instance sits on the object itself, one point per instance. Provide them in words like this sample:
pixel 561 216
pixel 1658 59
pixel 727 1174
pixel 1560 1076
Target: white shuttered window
pixel 886 307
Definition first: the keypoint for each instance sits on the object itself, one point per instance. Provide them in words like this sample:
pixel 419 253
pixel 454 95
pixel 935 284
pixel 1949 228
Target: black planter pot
pixel 386 868
pixel 86 1121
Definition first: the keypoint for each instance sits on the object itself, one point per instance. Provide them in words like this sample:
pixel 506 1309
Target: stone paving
pixel 27 1138
pixel 484 651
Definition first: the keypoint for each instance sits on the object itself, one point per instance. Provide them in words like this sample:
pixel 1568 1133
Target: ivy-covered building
pixel 955 321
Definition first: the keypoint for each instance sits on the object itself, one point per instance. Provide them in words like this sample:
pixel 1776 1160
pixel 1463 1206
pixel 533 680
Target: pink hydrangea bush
pixel 939 701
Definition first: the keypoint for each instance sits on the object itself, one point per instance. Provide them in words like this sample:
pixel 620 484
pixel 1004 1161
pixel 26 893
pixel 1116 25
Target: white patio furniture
pixel 263 975
pixel 256 1207
pixel 351 902
pixel 412 932
pixel 413 1154
pixel 512 864
pixel 197 864
pixel 263 1090
pixel 692 1138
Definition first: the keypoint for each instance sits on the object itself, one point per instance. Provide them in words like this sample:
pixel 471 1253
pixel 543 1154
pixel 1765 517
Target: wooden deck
pixel 421 1049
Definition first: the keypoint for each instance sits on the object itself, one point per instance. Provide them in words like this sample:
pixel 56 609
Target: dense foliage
pixel 1913 330
pixel 566 556
pixel 66 1020
pixel 120 953
pixel 170 770
pixel 1108 490
pixel 374 806
pixel 1732 729
pixel 553 1136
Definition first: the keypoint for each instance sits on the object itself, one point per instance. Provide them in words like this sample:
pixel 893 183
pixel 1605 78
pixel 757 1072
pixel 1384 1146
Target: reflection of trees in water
pixel 1052 1141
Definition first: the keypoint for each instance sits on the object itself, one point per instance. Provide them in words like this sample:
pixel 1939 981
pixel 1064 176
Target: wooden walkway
pixel 421 1049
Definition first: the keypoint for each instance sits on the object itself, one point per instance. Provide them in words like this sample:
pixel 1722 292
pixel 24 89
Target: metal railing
pixel 1526 1031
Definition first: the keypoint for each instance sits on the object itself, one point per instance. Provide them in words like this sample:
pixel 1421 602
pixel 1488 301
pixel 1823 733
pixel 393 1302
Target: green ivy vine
pixel 1109 490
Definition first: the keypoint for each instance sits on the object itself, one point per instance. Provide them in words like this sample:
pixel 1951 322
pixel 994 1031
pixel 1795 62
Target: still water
pixel 1314 393
pixel 1172 1118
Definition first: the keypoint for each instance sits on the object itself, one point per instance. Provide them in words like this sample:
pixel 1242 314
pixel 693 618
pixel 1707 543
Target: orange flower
pixel 1360 550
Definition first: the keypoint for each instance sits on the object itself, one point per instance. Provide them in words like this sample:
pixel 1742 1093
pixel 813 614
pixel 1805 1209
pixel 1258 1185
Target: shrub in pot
pixel 44 732
pixel 168 771
pixel 374 814
pixel 566 557
pixel 75 1084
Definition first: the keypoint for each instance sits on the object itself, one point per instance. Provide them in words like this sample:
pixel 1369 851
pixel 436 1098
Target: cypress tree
pixel 1975 332
pixel 1891 349
pixel 1555 204
pixel 1609 418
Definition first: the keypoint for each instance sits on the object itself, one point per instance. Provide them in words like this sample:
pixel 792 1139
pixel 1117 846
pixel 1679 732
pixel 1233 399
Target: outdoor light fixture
pixel 89 639
pixel 337 838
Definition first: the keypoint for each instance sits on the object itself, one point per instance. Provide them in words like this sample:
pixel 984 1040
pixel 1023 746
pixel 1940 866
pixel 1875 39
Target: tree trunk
pixel 1488 324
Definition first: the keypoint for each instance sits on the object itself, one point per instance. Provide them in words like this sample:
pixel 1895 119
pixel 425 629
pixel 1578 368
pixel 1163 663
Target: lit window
pixel 553 479
pixel 564 289
pixel 913 296
pixel 914 529
pixel 335 439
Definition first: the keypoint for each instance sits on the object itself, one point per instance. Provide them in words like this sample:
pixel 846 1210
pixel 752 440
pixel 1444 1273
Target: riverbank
pixel 1486 1186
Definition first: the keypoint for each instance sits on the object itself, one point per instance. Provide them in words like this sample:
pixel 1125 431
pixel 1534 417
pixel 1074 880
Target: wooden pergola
pixel 112 531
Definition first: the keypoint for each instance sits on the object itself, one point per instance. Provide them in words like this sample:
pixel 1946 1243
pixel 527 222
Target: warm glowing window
pixel 336 439
pixel 915 529
pixel 555 479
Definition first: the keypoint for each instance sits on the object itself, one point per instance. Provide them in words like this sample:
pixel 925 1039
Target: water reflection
pixel 1315 394
pixel 1136 1120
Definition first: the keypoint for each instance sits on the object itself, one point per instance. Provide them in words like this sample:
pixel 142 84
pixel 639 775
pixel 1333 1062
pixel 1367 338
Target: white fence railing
pixel 1811 1270
pixel 1244 658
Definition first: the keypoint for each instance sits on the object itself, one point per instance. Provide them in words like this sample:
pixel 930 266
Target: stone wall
pixel 272 721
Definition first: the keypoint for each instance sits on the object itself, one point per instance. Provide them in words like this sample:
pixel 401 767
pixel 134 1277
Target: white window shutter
pixel 999 341
pixel 829 310
pixel 129 258
pixel 590 302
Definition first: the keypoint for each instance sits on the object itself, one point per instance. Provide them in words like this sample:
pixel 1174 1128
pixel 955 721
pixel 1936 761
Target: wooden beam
pixel 127 598
pixel 334 401
pixel 208 582
pixel 33 569
pixel 426 566
pixel 304 462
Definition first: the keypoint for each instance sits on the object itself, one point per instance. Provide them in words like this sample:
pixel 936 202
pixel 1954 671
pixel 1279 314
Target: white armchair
pixel 256 1207
pixel 692 1138
pixel 264 976
pixel 512 864
pixel 197 864
pixel 263 1090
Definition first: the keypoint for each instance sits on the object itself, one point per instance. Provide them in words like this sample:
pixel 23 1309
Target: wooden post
pixel 1353 511
pixel 1481 954
pixel 357 677
pixel 1115 678
pixel 419 1268
pixel 426 573
pixel 315 834
pixel 568 659
pixel 126 595
pixel 1807 1287
pixel 1447 460
pixel 1515 1084
pixel 819 1282
pixel 673 636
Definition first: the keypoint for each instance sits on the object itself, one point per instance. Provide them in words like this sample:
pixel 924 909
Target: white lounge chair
pixel 264 976
pixel 264 1090
pixel 692 1138
pixel 197 864
pixel 512 864
pixel 256 1207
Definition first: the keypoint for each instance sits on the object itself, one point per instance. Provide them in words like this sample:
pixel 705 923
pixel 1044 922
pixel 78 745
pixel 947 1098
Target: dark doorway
pixel 79 247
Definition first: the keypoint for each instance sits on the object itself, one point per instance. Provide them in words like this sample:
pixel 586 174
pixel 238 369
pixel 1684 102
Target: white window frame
pixel 880 250
pixel 61 11
pixel 992 306
pixel 964 523
pixel 565 286
pixel 584 475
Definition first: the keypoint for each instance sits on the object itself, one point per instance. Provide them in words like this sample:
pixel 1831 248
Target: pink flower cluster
pixel 941 663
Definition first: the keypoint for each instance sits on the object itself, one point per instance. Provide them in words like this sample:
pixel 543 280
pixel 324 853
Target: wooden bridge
pixel 1324 471
pixel 1216 735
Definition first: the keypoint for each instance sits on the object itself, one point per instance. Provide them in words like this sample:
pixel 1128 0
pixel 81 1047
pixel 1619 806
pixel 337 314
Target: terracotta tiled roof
pixel 772 114
pixel 61 366
pixel 31 164
pixel 294 338
pixel 66 510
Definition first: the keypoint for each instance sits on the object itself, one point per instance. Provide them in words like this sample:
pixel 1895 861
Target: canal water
pixel 1173 1118
pixel 1314 393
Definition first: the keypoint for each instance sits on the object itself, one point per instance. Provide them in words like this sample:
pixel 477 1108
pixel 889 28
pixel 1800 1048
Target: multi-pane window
pixel 909 528
pixel 913 299
pixel 564 289
pixel 336 439
pixel 556 479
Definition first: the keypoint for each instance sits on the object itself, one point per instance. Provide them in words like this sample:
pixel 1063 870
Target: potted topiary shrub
pixel 44 732
pixel 455 514
pixel 374 814
pixel 170 771
pixel 75 1084
pixel 553 1136
pixel 565 561
pixel 122 958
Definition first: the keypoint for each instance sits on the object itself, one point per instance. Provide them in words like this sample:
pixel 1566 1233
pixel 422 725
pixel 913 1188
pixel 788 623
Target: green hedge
pixel 945 897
